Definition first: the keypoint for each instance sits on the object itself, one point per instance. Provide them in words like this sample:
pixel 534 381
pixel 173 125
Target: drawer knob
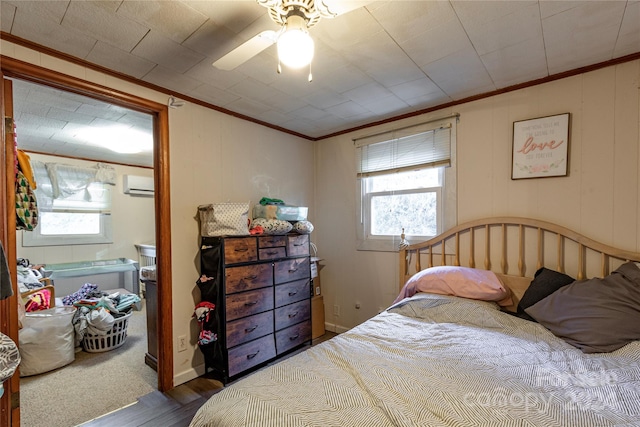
pixel 292 293
pixel 293 315
pixel 241 249
pixel 298 244
pixel 293 270
pixel 250 303
pixel 254 277
pixel 251 329
pixel 295 337
pixel 252 355
pixel 272 252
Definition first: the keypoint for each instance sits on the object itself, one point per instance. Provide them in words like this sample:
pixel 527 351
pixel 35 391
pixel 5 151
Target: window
pixel 406 181
pixel 74 205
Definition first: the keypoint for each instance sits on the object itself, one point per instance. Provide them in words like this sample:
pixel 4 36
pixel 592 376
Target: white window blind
pixel 413 148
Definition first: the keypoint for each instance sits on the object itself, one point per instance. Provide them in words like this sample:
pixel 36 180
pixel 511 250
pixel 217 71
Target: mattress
pixel 435 360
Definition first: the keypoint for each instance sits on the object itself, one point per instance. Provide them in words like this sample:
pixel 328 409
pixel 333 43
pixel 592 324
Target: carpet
pixel 92 385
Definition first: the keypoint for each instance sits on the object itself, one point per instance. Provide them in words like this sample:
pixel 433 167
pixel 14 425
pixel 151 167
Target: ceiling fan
pixel 295 46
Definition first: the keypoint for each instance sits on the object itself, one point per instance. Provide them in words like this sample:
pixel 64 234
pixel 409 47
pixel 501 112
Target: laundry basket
pixel 113 339
pixel 46 340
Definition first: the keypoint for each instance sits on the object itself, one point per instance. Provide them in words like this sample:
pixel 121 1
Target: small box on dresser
pixel 261 287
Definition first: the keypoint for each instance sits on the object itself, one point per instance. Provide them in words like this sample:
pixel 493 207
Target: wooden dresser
pixel 261 286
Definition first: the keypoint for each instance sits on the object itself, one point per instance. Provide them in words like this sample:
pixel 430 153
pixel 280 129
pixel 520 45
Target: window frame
pixel 447 200
pixel 70 205
pixel 35 238
pixel 368 214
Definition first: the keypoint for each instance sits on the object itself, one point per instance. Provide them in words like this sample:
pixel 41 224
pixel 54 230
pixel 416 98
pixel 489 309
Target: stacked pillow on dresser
pixel 596 315
pixel 272 216
pixel 272 226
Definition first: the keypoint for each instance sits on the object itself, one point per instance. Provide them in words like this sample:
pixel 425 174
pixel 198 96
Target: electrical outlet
pixel 336 310
pixel 182 343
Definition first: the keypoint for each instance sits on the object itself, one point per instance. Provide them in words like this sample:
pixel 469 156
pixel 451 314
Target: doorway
pixel 67 135
pixel 8 318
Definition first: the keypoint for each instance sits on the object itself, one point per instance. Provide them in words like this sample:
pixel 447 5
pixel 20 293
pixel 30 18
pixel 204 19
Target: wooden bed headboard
pixel 515 248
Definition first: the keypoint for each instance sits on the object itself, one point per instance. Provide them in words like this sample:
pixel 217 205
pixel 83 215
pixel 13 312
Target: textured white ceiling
pixel 54 121
pixel 376 62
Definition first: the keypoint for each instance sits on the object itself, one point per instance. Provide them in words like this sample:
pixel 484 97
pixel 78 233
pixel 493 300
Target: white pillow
pixel 273 226
pixel 303 227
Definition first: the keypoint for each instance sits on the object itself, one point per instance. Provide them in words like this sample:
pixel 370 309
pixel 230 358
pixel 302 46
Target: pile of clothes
pixel 37 296
pixel 28 276
pixel 96 311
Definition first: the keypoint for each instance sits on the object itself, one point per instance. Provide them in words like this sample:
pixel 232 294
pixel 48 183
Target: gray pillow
pixel 596 315
pixel 544 283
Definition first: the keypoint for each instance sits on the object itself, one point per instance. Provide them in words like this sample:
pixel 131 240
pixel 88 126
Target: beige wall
pixel 216 158
pixel 600 197
pixel 132 217
pixel 213 157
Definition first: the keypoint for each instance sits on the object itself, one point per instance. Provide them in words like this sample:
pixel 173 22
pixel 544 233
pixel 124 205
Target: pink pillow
pixel 457 281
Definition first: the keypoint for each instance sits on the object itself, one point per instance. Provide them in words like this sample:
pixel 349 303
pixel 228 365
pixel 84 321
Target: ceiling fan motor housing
pixel 280 10
pixel 294 17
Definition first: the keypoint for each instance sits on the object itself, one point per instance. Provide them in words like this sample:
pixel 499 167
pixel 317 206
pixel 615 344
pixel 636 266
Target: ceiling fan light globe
pixel 295 48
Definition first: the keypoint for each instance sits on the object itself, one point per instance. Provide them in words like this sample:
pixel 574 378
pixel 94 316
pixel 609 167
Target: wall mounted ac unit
pixel 138 185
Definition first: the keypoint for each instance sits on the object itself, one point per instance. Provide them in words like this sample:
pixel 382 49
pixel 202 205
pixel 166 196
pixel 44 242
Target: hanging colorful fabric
pixel 26 204
pixel 202 313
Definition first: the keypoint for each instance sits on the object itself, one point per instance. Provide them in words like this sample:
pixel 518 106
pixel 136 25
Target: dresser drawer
pixel 292 269
pixel 253 353
pixel 247 303
pixel 241 249
pixel 291 292
pixel 272 253
pixel 289 338
pixel 298 245
pixel 272 241
pixel 249 328
pixel 292 313
pixel 238 279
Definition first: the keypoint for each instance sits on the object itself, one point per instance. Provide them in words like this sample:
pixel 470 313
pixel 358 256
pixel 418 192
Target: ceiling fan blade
pixel 340 7
pixel 246 50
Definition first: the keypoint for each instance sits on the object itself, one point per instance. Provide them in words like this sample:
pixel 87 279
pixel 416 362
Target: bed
pixel 438 359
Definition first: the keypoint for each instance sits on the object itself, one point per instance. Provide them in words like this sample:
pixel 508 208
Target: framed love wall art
pixel 541 147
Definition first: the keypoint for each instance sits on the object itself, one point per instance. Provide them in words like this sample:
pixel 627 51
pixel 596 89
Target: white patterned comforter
pixel 435 360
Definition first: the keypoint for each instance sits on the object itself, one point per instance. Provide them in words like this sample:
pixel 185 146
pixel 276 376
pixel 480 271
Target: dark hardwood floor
pixel 174 408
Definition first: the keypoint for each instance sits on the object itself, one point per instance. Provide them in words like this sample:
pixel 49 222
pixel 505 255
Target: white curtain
pixel 73 188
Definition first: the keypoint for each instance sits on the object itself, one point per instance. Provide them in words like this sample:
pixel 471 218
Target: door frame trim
pixel 11 67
